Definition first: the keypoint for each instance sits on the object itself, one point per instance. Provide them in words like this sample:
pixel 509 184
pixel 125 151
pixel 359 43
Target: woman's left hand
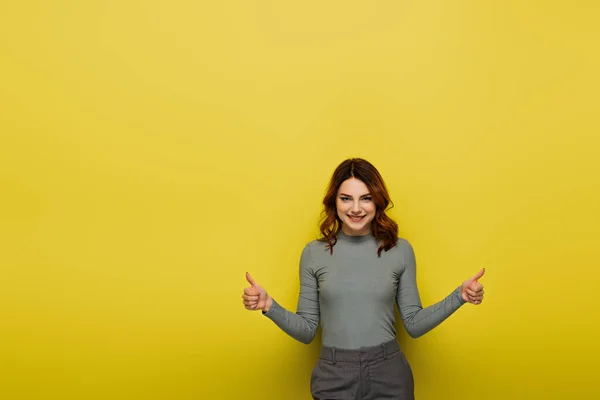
pixel 471 290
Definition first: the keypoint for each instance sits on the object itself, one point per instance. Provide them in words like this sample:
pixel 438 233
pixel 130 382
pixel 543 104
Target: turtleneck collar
pixel 355 239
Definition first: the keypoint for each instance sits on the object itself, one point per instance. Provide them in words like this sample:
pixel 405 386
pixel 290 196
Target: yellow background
pixel 152 152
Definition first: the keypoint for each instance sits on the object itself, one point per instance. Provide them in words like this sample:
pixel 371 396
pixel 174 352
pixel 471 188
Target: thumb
pixel 250 280
pixel 479 275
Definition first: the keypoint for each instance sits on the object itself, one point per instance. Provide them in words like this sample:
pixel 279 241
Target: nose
pixel 356 208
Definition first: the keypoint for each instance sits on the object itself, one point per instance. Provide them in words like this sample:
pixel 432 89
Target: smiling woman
pixel 352 290
pixel 356 202
pixel 356 210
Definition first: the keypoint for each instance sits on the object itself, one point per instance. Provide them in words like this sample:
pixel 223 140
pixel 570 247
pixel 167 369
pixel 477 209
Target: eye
pixel 368 198
pixel 343 198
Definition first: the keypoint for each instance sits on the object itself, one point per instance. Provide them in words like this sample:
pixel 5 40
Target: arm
pixel 418 320
pixel 303 324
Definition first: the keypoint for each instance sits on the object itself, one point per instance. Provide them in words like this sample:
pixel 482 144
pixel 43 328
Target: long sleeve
pixel 303 324
pixel 418 320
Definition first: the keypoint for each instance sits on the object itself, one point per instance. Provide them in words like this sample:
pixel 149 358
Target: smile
pixel 355 218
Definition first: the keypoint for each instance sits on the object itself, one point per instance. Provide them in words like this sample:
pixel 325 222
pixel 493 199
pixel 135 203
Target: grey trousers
pixel 369 373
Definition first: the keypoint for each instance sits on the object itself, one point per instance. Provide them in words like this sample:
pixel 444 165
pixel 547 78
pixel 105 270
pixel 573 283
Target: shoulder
pixel 315 247
pixel 403 244
pixel 403 250
pixel 312 254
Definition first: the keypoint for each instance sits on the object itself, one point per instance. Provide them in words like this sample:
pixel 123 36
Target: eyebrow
pixel 347 195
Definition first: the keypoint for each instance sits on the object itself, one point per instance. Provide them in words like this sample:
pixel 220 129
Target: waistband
pixel 363 354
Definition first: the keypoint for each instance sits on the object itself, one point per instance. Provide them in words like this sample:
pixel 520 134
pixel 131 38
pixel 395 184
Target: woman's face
pixel 355 207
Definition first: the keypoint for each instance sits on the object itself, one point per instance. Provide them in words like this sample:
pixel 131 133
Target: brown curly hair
pixel 384 229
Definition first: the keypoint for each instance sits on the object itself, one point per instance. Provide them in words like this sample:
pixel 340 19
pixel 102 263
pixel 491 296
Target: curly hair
pixel 384 229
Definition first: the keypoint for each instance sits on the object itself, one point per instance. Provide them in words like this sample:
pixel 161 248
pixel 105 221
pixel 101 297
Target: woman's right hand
pixel 255 297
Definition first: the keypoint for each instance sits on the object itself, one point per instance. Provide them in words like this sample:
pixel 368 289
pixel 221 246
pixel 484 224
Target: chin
pixel 358 228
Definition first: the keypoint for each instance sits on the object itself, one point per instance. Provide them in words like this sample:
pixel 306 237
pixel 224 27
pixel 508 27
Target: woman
pixel 349 282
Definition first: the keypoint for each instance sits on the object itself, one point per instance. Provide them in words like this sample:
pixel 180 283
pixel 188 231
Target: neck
pixel 354 238
pixel 361 233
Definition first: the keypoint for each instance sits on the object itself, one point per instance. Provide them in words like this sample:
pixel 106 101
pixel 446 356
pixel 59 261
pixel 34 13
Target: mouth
pixel 354 218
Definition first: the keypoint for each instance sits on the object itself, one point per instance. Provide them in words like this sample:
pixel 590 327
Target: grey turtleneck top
pixel 352 294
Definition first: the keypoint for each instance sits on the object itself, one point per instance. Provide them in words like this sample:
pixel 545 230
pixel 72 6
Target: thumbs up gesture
pixel 471 290
pixel 255 297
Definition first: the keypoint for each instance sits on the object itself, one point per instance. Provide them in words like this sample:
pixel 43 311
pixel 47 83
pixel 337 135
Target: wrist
pixel 463 295
pixel 268 304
